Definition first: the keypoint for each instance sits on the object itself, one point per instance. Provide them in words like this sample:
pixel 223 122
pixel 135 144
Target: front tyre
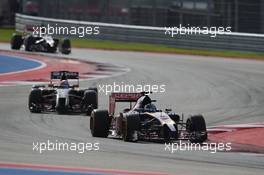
pixel 196 127
pixel 130 126
pixel 35 101
pixel 99 123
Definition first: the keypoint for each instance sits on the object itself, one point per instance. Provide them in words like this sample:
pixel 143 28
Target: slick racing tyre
pixel 90 101
pixel 130 126
pixel 16 42
pixel 196 127
pixel 65 46
pixel 99 123
pixel 34 101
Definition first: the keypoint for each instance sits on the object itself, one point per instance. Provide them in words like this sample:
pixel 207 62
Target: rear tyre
pixel 130 126
pixel 196 127
pixel 99 123
pixel 16 42
pixel 35 101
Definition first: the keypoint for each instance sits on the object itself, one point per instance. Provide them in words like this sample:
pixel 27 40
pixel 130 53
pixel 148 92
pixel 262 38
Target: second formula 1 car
pixel 62 97
pixel 143 121
pixel 33 43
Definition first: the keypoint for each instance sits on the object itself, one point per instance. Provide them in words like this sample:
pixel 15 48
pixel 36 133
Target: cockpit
pixel 150 108
pixel 144 104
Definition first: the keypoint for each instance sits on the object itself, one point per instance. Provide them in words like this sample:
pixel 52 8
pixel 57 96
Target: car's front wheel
pixel 99 123
pixel 34 101
pixel 196 127
pixel 130 127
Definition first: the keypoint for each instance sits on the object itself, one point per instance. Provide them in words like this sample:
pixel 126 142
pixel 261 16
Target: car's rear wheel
pixel 99 123
pixel 16 42
pixel 196 127
pixel 34 101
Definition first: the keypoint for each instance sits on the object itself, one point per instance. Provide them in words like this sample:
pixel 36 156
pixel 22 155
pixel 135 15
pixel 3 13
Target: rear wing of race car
pixel 122 97
pixel 57 75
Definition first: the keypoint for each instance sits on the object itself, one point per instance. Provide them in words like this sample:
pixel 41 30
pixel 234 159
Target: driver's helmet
pixel 150 108
pixel 64 84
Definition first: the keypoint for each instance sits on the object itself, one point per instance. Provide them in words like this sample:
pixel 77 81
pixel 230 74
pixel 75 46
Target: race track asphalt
pixel 225 91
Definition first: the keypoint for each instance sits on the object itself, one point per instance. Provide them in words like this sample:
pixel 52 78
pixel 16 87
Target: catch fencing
pixel 244 42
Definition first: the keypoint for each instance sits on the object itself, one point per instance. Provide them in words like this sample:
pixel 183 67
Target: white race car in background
pixel 46 43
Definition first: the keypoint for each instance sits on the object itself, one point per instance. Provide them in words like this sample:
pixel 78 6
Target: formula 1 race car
pixel 33 43
pixel 63 97
pixel 144 121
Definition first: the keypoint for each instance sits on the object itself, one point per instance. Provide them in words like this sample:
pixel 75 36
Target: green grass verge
pixel 5 35
pixel 108 45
